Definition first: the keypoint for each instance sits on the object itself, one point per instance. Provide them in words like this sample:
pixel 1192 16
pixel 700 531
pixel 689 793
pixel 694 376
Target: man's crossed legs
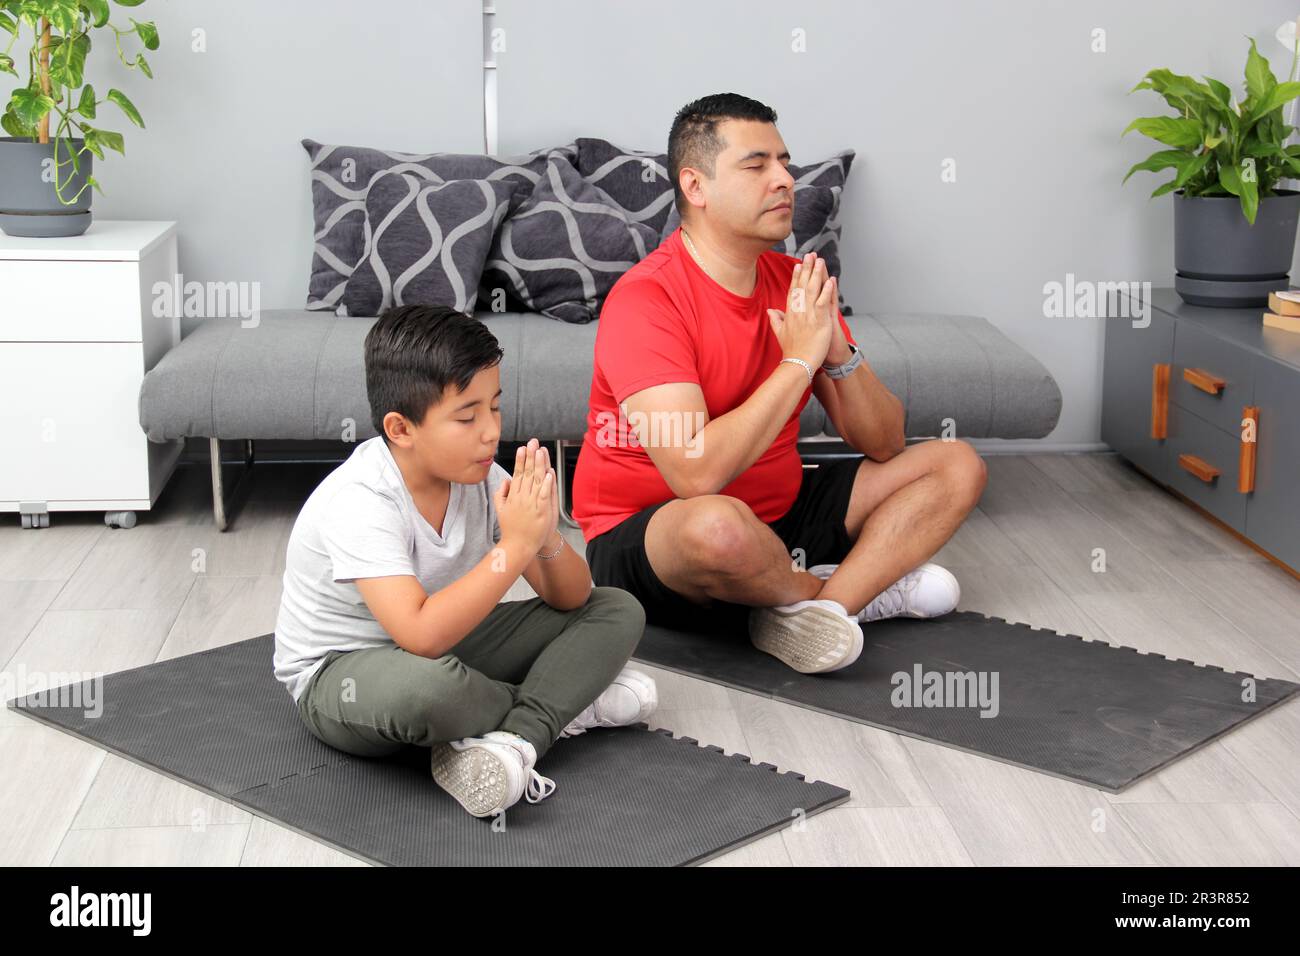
pixel 712 552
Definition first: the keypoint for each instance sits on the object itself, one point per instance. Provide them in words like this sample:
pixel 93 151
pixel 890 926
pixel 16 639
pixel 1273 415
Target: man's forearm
pixel 871 414
pixel 730 443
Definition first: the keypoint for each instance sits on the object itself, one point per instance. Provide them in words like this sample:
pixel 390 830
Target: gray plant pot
pixel 1221 259
pixel 29 205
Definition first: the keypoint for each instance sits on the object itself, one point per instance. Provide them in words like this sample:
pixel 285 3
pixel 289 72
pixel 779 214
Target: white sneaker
pixel 630 699
pixel 489 774
pixel 926 591
pixel 813 637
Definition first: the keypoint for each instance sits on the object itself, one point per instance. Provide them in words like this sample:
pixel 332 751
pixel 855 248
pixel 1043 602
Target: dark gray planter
pixel 1221 259
pixel 29 205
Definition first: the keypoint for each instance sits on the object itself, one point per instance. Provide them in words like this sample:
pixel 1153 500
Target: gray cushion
pixel 425 243
pixel 299 375
pixel 340 176
pixel 563 249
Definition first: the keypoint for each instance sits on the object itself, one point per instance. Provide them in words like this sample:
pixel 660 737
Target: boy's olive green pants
pixel 526 668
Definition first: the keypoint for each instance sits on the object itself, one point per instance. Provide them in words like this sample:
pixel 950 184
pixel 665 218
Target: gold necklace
pixel 700 262
pixel 696 253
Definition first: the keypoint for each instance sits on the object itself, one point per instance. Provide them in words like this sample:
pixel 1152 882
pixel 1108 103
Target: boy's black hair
pixel 693 140
pixel 413 352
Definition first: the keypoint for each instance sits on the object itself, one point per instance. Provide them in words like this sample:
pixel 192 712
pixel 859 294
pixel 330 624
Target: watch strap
pixel 840 371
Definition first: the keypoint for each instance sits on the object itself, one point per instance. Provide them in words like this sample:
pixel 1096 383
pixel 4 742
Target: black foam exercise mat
pixel 219 721
pixel 1086 711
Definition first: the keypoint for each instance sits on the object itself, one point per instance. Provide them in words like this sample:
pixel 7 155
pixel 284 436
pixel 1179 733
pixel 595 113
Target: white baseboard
pixel 986 446
pixel 1030 446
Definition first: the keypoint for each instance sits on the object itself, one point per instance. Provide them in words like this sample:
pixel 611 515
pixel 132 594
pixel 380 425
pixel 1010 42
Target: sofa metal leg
pixel 561 479
pixel 219 500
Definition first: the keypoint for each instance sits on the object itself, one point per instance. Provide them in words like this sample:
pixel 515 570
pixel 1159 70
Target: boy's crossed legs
pixel 527 669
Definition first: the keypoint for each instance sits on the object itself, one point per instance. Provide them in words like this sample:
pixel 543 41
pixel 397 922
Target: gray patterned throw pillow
pixel 635 180
pixel 341 175
pixel 425 243
pixel 564 248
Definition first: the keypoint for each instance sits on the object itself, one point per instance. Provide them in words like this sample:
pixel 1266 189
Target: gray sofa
pixel 296 375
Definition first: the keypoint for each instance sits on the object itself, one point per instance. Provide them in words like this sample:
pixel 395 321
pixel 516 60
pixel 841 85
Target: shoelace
pixel 892 600
pixel 538 788
pixel 577 725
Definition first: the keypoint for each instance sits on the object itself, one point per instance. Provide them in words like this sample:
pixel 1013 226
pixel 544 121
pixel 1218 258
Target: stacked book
pixel 1285 311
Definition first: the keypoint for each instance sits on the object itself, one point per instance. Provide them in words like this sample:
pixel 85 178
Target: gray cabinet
pixel 1273 518
pixel 1132 357
pixel 1177 396
pixel 1220 385
pixel 1202 464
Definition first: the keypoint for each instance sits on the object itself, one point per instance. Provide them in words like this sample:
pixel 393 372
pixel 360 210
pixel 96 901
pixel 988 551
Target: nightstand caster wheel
pixel 35 519
pixel 119 519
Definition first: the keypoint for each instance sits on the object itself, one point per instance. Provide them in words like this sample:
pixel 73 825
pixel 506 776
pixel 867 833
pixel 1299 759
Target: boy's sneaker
pixel 489 774
pixel 925 591
pixel 630 699
pixel 813 637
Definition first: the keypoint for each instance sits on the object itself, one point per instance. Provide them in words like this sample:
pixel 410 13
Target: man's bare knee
pixel 719 536
pixel 709 537
pixel 966 469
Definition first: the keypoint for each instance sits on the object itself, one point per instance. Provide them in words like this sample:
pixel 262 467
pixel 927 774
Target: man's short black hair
pixel 413 352
pixel 693 141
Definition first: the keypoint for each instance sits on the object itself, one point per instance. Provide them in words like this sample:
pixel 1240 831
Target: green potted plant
pixel 1234 229
pixel 46 159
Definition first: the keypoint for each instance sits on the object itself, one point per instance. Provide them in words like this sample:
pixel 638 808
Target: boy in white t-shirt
pixel 391 630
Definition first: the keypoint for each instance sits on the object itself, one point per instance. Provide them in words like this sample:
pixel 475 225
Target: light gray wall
pixel 1008 88
pixel 220 153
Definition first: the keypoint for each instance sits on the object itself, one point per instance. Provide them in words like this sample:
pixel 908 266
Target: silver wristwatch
pixel 840 371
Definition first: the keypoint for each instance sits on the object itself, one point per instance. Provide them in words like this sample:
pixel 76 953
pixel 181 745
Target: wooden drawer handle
pixel 1249 438
pixel 1205 381
pixel 1160 400
pixel 1198 467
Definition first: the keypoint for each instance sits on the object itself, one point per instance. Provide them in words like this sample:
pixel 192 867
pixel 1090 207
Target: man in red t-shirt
pixel 689 488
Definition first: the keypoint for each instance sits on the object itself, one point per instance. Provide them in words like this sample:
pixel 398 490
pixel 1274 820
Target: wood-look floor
pixel 80 596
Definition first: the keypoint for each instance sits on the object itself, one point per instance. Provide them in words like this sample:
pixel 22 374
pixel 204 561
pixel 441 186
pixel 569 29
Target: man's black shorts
pixel 815 523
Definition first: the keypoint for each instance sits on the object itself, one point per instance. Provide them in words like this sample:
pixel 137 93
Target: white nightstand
pixel 78 331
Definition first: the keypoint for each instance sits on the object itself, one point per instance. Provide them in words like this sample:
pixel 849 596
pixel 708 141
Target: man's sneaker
pixel 926 591
pixel 488 774
pixel 630 699
pixel 813 637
